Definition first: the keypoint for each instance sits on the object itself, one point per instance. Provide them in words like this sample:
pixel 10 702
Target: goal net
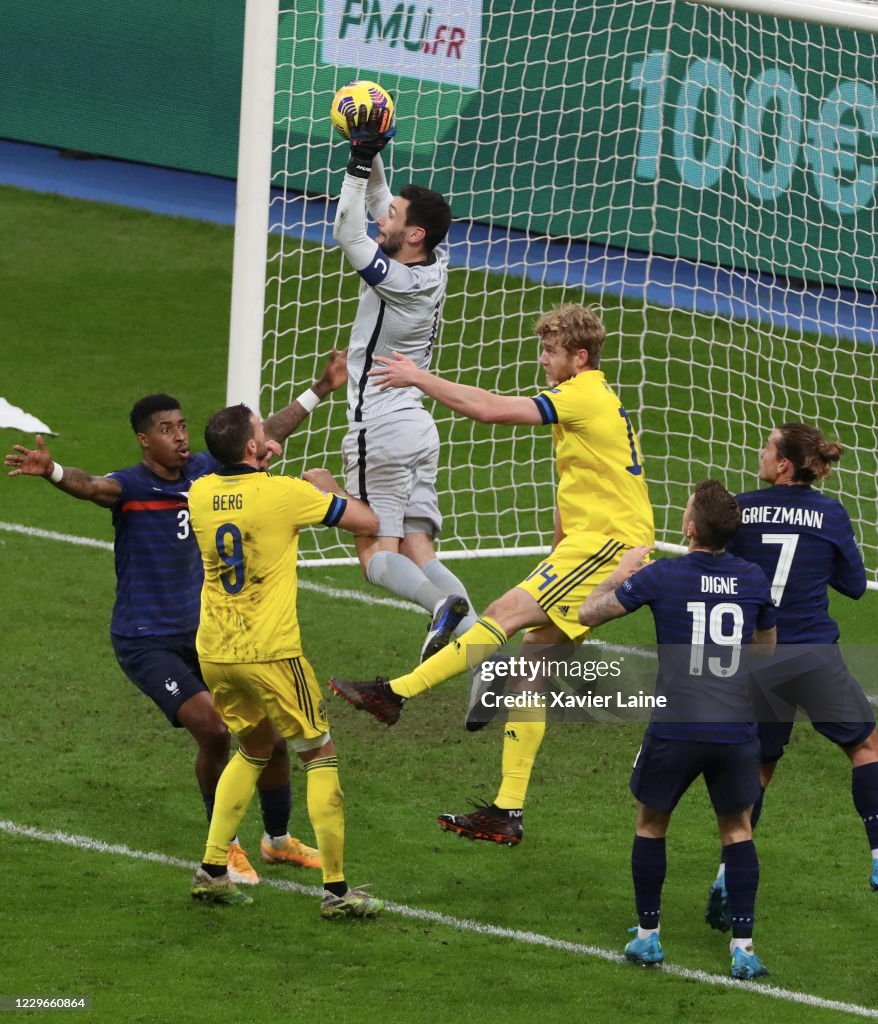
pixel 705 177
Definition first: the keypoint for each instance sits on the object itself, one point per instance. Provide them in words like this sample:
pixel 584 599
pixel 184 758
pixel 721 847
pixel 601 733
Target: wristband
pixel 309 400
pixel 360 165
pixel 57 473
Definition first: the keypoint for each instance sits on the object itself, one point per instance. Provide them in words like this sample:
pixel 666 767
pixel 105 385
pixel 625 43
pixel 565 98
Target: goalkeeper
pixel 391 450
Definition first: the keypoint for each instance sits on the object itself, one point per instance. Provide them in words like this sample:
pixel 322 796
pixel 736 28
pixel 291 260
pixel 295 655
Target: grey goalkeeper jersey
pixel 399 306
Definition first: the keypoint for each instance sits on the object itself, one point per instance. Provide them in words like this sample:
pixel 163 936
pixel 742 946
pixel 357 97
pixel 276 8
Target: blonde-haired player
pixel 602 509
pixel 247 527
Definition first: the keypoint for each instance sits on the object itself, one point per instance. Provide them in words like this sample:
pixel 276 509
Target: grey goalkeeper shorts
pixel 392 463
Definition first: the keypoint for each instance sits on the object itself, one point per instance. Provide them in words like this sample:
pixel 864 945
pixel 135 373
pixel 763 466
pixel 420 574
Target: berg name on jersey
pixel 227 502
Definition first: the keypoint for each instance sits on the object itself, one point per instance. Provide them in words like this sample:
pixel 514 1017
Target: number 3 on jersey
pixel 229 536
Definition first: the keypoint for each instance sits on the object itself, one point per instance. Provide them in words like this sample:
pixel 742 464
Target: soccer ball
pixel 354 95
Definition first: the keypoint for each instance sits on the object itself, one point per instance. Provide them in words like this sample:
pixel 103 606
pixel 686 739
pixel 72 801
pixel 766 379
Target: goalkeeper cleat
pixel 646 952
pixel 486 822
pixel 241 871
pixel 717 913
pixel 446 618
pixel 220 890
pixel 289 851
pixel 354 903
pixel 746 965
pixel 873 881
pixel 482 708
pixel 375 696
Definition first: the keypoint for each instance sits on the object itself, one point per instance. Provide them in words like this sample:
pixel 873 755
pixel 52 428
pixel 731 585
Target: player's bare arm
pixel 281 424
pixel 763 642
pixel 474 403
pixel 357 517
pixel 601 605
pixel 77 483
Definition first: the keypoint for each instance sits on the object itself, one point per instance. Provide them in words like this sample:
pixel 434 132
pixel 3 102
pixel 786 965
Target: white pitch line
pixel 459 924
pixel 105 545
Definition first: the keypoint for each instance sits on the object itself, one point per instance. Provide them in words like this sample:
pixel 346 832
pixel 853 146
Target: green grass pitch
pixel 105 304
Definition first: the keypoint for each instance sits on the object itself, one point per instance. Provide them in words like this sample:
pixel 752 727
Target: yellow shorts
pixel 569 574
pixel 286 692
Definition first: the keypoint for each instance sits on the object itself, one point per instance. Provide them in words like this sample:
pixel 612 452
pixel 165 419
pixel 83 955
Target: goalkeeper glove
pixel 370 131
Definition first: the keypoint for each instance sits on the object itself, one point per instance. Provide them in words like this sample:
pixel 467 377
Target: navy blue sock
pixel 208 799
pixel 648 868
pixel 864 787
pixel 276 804
pixel 756 813
pixel 742 881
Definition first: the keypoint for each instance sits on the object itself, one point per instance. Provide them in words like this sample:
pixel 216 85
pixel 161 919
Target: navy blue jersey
pixel 804 542
pixel 158 564
pixel 706 608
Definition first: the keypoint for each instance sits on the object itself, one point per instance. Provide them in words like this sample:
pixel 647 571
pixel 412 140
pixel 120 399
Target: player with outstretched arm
pixel 391 451
pixel 602 508
pixel 158 586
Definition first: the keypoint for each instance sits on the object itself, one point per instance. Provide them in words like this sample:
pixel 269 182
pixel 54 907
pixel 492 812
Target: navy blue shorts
pixel 665 769
pixel 165 668
pixel 817 680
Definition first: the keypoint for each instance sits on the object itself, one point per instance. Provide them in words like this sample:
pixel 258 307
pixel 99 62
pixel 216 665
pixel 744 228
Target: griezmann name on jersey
pixel 601 483
pixel 247 525
pixel 804 542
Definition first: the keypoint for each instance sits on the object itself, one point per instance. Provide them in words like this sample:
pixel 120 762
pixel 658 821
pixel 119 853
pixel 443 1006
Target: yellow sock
pixel 326 811
pixel 234 792
pixel 466 651
pixel 521 741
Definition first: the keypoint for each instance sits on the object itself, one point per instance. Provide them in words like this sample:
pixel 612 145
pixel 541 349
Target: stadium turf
pixel 108 304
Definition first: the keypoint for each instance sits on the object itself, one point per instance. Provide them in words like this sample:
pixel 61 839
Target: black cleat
pixel 374 696
pixel 486 822
pixel 483 707
pixel 445 621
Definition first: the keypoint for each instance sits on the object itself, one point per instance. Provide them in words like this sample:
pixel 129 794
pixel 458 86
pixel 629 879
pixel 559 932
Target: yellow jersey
pixel 601 483
pixel 247 527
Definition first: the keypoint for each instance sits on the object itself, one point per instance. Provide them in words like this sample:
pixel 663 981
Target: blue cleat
pixel 746 965
pixel 645 952
pixel 873 881
pixel 446 619
pixel 717 913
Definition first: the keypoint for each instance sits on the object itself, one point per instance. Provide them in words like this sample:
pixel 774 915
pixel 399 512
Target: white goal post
pixel 705 173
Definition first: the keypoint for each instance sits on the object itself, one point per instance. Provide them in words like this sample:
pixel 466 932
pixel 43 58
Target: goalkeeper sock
pixel 400 575
pixel 234 792
pixel 465 652
pixel 521 741
pixel 449 584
